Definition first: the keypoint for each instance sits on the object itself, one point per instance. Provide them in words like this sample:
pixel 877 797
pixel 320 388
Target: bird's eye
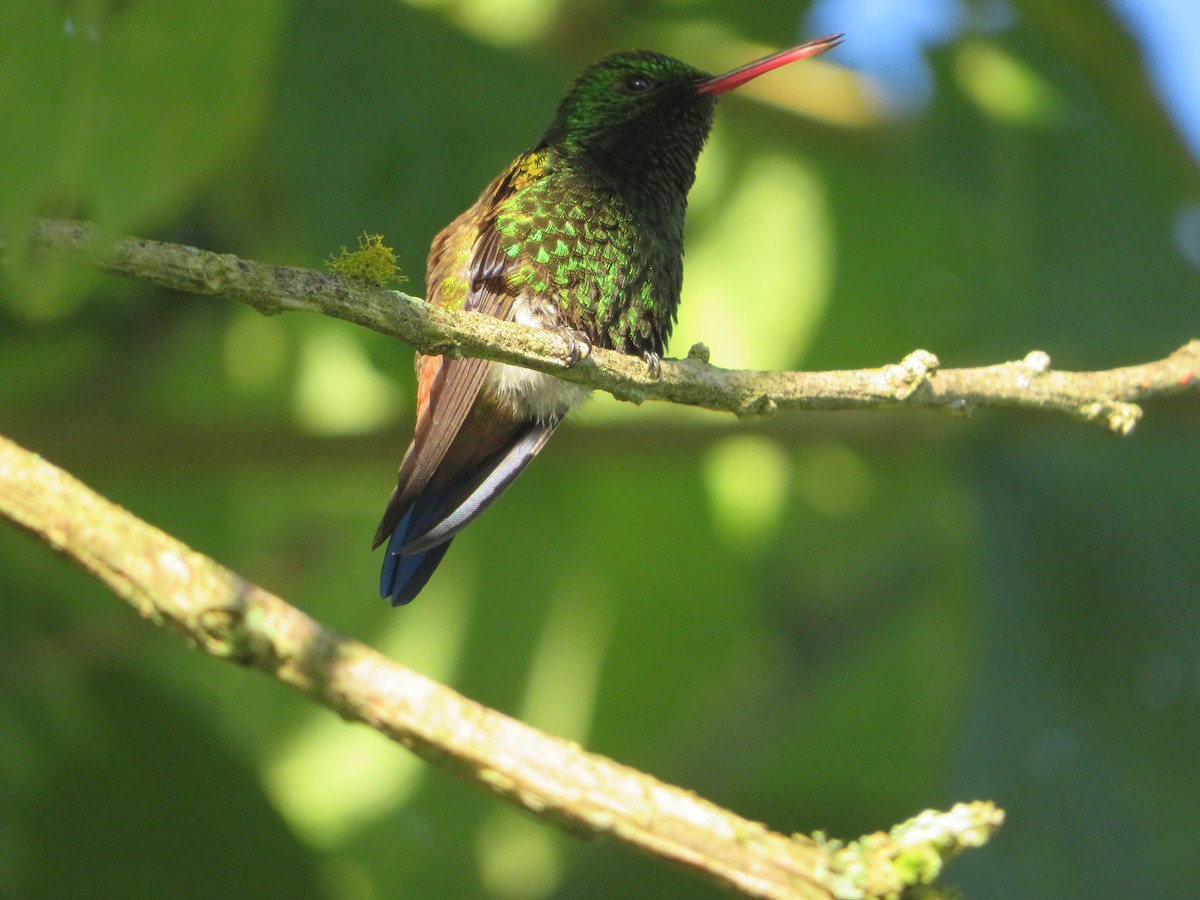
pixel 637 84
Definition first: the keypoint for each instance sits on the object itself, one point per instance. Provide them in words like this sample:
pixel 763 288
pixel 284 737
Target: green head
pixel 638 115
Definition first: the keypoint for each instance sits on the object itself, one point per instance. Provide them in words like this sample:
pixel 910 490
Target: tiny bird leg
pixel 653 364
pixel 579 345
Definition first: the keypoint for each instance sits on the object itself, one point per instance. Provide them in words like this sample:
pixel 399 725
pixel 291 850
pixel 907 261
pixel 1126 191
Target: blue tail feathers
pixel 423 531
pixel 404 575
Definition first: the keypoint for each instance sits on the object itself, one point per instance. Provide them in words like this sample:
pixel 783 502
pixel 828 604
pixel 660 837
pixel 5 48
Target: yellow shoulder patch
pixel 528 168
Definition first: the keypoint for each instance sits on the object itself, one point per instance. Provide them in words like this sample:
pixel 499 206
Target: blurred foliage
pixel 822 621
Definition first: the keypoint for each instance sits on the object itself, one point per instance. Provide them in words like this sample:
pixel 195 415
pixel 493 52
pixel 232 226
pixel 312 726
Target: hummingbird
pixel 581 235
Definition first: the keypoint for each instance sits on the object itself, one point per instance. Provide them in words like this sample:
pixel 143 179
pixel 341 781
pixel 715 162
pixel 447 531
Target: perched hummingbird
pixel 582 235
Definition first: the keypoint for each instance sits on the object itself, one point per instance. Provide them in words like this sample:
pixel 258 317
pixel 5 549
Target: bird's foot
pixel 653 364
pixel 579 345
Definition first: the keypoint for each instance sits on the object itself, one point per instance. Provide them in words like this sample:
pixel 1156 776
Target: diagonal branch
pixel 1109 397
pixel 227 617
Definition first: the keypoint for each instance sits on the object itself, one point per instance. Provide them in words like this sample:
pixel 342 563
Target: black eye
pixel 637 84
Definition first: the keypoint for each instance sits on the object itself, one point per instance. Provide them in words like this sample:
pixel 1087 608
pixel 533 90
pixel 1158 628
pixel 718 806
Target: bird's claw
pixel 653 364
pixel 579 345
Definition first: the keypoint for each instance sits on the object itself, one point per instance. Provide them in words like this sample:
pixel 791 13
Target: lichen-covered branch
pixel 1109 398
pixel 227 617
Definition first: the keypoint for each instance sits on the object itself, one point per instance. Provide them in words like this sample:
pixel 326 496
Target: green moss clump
pixel 371 262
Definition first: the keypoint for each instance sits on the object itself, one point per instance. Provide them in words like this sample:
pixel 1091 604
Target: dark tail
pixel 404 575
pixel 420 537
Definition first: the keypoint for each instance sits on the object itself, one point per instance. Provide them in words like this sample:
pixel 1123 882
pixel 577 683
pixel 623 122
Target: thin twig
pixel 1109 397
pixel 227 617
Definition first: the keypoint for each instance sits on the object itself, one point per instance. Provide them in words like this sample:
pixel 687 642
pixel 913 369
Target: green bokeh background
pixel 821 621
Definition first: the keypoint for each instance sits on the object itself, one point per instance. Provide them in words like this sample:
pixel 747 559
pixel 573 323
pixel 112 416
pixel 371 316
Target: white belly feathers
pixel 534 394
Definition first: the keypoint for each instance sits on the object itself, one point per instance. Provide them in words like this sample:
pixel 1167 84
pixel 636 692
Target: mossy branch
pixel 225 616
pixel 1110 398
